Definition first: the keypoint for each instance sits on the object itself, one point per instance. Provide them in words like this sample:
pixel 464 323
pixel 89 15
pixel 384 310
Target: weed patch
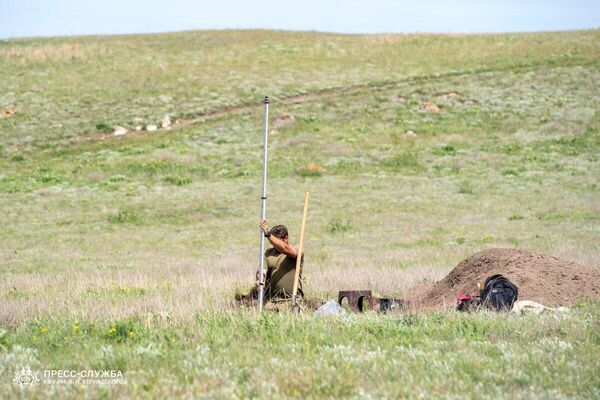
pixel 465 187
pixel 125 216
pixel 405 161
pixel 178 180
pixel 339 225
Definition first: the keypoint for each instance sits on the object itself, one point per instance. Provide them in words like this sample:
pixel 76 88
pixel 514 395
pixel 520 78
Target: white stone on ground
pixel 166 122
pixel 119 131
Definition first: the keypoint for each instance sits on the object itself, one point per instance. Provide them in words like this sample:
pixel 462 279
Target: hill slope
pixel 65 87
pixel 123 252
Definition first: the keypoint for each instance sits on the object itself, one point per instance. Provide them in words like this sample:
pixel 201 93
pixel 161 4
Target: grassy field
pixel 124 252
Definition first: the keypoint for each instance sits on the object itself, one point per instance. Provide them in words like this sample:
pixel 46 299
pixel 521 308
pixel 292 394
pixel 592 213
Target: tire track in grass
pixel 334 91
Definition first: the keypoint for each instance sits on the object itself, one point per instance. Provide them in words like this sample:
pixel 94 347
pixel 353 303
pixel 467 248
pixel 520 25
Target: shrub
pixel 125 216
pixel 405 161
pixel 510 172
pixel 178 180
pixel 446 149
pixel 104 127
pixel 339 225
pixel 514 148
pixel 465 188
pixel 124 330
pixel 49 178
pixel 116 178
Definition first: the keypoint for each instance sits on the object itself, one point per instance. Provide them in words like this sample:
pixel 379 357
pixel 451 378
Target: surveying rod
pixel 263 213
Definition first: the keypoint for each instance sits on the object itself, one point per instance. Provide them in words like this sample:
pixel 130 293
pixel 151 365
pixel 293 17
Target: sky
pixel 24 18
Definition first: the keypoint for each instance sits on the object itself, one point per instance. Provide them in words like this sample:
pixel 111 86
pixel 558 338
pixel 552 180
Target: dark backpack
pixel 499 293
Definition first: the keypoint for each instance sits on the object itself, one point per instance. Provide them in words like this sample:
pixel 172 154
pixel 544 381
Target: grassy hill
pixel 426 148
pixel 64 87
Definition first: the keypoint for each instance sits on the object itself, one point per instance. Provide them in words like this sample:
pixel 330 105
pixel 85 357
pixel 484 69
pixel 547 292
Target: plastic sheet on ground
pixel 331 308
pixel 522 307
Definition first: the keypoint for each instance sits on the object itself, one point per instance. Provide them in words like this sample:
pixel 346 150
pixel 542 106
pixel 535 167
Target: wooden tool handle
pixel 300 248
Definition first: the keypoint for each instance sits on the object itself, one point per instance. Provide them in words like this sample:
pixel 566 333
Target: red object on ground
pixel 462 297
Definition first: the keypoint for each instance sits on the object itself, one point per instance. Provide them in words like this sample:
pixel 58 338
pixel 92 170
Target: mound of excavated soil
pixel 545 279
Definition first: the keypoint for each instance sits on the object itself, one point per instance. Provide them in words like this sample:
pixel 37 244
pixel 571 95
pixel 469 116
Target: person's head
pixel 280 232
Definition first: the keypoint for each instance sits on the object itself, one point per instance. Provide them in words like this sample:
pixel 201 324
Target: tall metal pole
pixel 263 213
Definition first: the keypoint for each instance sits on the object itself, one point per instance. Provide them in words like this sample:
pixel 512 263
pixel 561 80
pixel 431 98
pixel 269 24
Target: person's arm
pixel 277 243
pixel 283 247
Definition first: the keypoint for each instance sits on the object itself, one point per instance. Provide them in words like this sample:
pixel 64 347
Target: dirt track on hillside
pixel 306 97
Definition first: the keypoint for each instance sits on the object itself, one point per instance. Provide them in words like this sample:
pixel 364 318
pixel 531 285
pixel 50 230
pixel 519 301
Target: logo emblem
pixel 25 378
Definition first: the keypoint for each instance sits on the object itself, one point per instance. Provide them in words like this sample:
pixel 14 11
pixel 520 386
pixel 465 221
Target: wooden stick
pixel 300 249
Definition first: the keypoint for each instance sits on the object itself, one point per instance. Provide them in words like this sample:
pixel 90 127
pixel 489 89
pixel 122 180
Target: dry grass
pixel 178 288
pixel 96 271
pixel 59 52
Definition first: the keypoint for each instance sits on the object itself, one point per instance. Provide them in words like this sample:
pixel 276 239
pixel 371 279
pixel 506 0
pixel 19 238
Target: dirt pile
pixel 542 278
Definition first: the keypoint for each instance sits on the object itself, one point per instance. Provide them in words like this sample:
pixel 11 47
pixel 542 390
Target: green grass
pixel 152 232
pixel 237 354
